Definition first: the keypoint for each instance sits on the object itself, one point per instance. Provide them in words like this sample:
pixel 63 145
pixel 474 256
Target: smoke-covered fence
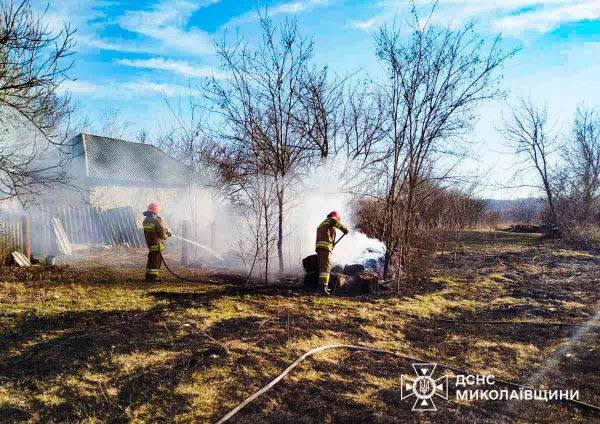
pixel 82 225
pixel 120 227
pixel 85 225
pixel 11 236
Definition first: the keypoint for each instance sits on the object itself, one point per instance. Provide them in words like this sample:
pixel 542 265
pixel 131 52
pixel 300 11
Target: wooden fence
pixel 82 225
pixel 11 236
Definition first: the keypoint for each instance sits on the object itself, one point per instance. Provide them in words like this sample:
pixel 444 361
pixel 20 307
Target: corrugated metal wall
pixel 82 225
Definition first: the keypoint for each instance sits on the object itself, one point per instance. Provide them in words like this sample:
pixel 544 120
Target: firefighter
pixel 324 246
pixel 155 232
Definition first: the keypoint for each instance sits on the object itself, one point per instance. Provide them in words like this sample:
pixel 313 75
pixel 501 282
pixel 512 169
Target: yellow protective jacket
pixel 326 233
pixel 154 232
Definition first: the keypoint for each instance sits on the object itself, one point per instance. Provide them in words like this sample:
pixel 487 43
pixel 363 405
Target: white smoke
pixel 322 192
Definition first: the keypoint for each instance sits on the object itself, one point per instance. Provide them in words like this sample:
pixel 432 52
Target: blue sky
pixel 131 54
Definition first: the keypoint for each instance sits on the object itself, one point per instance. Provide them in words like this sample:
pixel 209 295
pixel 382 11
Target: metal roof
pixel 117 161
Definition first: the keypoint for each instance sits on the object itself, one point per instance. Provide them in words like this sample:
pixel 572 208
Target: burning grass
pixel 88 343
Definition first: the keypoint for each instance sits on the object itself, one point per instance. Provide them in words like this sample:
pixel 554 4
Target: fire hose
pixel 162 258
pixel 264 389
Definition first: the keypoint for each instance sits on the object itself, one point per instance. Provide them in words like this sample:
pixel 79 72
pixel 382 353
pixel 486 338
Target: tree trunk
pixel 267 247
pixel 405 248
pixel 280 195
pixel 386 265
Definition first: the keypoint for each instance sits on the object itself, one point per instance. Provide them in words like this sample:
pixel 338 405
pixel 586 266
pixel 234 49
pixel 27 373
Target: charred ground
pixel 90 342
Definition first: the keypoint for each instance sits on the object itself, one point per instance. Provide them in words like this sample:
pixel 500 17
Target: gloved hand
pixel 346 232
pixel 169 234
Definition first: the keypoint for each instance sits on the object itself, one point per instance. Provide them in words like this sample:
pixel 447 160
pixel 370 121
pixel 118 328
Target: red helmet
pixel 334 215
pixel 153 207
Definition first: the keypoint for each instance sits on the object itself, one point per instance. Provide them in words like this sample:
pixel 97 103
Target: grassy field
pixel 90 342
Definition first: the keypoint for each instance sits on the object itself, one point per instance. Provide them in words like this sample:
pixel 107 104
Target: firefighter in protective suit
pixel 155 233
pixel 324 246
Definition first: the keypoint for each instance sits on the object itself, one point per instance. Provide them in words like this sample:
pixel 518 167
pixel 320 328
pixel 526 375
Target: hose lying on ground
pixel 249 399
pixel 162 258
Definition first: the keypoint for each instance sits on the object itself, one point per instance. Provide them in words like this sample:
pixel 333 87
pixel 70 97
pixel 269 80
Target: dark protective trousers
pixel 153 265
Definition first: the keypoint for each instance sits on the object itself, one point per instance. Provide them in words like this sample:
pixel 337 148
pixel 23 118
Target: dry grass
pixel 90 344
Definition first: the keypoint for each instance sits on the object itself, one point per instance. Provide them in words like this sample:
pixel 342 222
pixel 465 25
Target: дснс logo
pixel 424 387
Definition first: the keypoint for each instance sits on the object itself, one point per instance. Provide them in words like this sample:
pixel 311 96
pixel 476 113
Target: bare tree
pixel 526 132
pixel 112 124
pixel 188 139
pixel 362 122
pixel 582 164
pixel 320 113
pixel 436 78
pixel 142 136
pixel 258 103
pixel 34 117
pixel 257 201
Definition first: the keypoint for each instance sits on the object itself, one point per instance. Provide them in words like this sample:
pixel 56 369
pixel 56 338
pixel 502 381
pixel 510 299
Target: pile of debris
pixel 350 280
pixel 528 229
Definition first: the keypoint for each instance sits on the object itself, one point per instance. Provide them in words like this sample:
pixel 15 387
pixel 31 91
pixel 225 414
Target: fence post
pixel 213 235
pixel 186 251
pixel 26 237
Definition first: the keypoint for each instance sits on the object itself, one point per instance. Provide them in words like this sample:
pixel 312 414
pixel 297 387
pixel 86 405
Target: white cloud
pixel 86 17
pixel 512 16
pixel 74 12
pixel 167 24
pixel 297 6
pixel 288 8
pixel 110 45
pixel 79 87
pixel 151 88
pixel 179 67
pixel 125 90
pixel 369 23
pixel 547 18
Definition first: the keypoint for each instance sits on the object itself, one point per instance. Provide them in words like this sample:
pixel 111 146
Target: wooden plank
pixel 78 235
pixel 107 216
pixel 80 226
pixel 93 228
pixel 108 222
pixel 69 218
pixel 20 244
pixel 119 223
pixel 14 241
pixel 127 215
pixel 64 246
pixel 105 227
pixel 134 228
pixel 94 225
pixel 103 236
pixel 101 228
pixel 43 222
pixel 20 259
pixel 129 221
pixel 123 226
pixel 117 220
pixel 87 225
pixel 62 214
pixel 3 241
pixel 98 239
